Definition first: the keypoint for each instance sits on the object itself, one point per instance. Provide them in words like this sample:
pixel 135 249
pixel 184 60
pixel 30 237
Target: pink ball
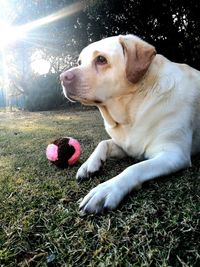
pixel 63 152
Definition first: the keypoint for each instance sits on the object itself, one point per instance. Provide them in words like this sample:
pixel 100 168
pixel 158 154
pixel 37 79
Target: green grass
pixel 40 224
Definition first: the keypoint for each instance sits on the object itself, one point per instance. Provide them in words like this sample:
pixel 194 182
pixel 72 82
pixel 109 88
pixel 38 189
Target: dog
pixel 150 108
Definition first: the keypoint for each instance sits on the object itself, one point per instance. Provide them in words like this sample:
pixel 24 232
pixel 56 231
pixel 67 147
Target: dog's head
pixel 108 68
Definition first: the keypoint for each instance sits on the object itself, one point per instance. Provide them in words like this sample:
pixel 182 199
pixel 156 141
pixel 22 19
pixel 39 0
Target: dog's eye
pixel 79 62
pixel 100 60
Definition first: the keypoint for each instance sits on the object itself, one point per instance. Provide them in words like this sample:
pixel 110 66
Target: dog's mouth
pixel 74 98
pixel 68 95
pixel 70 98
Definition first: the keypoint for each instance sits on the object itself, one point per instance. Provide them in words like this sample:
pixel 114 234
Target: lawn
pixel 40 224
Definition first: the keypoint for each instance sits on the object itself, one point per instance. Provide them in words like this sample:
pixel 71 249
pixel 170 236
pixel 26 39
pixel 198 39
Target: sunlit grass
pixel 40 221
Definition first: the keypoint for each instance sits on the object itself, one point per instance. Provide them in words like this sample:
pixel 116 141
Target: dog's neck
pixel 115 111
pixel 108 119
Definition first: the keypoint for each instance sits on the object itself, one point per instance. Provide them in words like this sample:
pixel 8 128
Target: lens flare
pixel 65 12
pixel 9 34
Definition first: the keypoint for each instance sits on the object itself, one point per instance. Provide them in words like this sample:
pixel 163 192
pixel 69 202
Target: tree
pixel 173 26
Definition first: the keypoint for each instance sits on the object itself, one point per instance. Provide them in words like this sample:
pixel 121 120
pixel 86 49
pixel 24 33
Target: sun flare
pixel 40 66
pixel 9 34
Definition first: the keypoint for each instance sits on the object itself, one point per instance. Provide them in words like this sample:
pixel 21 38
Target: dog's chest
pixel 132 140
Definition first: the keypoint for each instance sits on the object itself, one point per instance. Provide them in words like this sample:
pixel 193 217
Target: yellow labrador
pixel 150 107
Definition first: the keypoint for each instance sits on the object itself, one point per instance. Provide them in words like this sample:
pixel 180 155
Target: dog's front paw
pixel 88 169
pixel 105 196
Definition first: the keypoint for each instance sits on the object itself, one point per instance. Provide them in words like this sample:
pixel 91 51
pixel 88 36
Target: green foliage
pixel 171 25
pixel 44 92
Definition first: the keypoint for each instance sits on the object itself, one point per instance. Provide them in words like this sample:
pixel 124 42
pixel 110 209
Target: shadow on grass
pixel 40 222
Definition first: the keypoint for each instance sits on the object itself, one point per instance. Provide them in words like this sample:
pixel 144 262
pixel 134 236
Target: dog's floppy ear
pixel 138 56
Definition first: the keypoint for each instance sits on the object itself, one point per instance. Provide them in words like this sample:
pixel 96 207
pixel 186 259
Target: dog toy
pixel 64 152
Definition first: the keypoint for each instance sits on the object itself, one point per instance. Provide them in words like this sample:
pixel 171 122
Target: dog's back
pixel 191 100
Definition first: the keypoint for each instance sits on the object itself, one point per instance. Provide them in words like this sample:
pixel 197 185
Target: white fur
pixel 156 119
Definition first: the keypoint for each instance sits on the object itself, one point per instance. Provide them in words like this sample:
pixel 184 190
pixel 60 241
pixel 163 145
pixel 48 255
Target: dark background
pixel 172 26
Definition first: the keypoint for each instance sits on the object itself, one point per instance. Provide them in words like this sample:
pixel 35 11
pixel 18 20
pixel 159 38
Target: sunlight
pixel 10 34
pixel 5 79
pixel 40 66
pixel 67 11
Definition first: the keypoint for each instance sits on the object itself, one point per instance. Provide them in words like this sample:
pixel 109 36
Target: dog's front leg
pixel 110 193
pixel 105 149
